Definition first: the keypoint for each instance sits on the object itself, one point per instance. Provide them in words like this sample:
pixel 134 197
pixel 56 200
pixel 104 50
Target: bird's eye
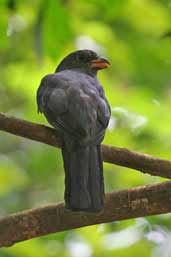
pixel 81 58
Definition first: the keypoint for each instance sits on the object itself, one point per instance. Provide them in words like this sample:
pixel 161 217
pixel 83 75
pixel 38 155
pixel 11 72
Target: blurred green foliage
pixel 34 36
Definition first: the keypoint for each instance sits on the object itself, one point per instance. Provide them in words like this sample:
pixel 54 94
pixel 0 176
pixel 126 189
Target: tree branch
pixel 119 205
pixel 119 156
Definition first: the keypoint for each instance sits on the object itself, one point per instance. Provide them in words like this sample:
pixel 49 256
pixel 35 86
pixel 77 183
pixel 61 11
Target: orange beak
pixel 99 63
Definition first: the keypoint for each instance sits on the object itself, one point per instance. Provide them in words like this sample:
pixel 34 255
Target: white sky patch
pixel 112 123
pixel 126 237
pixel 161 237
pixel 122 239
pixel 156 237
pixel 86 42
pixel 16 23
pixel 79 249
pixel 123 118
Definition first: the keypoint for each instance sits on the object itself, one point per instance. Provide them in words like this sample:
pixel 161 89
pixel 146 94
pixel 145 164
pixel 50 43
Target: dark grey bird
pixel 74 103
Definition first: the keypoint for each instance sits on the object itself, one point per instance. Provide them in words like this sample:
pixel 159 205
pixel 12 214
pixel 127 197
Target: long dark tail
pixel 84 185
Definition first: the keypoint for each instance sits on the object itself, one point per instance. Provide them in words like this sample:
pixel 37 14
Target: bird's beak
pixel 99 63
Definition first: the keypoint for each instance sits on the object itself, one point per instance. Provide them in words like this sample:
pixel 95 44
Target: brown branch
pixel 119 156
pixel 119 205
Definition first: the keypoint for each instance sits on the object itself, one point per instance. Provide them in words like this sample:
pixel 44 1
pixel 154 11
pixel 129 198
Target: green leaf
pixel 56 28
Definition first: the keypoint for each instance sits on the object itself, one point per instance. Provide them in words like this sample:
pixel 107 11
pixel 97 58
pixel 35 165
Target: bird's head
pixel 84 60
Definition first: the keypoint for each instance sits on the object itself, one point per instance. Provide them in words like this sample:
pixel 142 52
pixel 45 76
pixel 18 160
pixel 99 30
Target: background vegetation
pixel 34 36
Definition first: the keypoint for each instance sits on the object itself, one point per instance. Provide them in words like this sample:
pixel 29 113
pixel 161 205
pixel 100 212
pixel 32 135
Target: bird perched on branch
pixel 73 102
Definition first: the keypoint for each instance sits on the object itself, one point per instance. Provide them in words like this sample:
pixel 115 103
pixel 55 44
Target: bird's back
pixel 74 101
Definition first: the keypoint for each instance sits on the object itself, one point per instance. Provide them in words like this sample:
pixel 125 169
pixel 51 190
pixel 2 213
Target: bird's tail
pixel 84 185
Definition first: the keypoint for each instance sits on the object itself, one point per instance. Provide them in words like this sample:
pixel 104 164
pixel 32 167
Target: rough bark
pixel 119 205
pixel 119 156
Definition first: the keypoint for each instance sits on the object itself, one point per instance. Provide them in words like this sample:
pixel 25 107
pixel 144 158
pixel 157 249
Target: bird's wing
pixel 51 98
pixel 52 94
pixel 103 111
pixel 53 101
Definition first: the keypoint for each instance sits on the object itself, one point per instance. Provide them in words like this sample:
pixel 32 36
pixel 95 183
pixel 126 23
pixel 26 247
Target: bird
pixel 74 103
